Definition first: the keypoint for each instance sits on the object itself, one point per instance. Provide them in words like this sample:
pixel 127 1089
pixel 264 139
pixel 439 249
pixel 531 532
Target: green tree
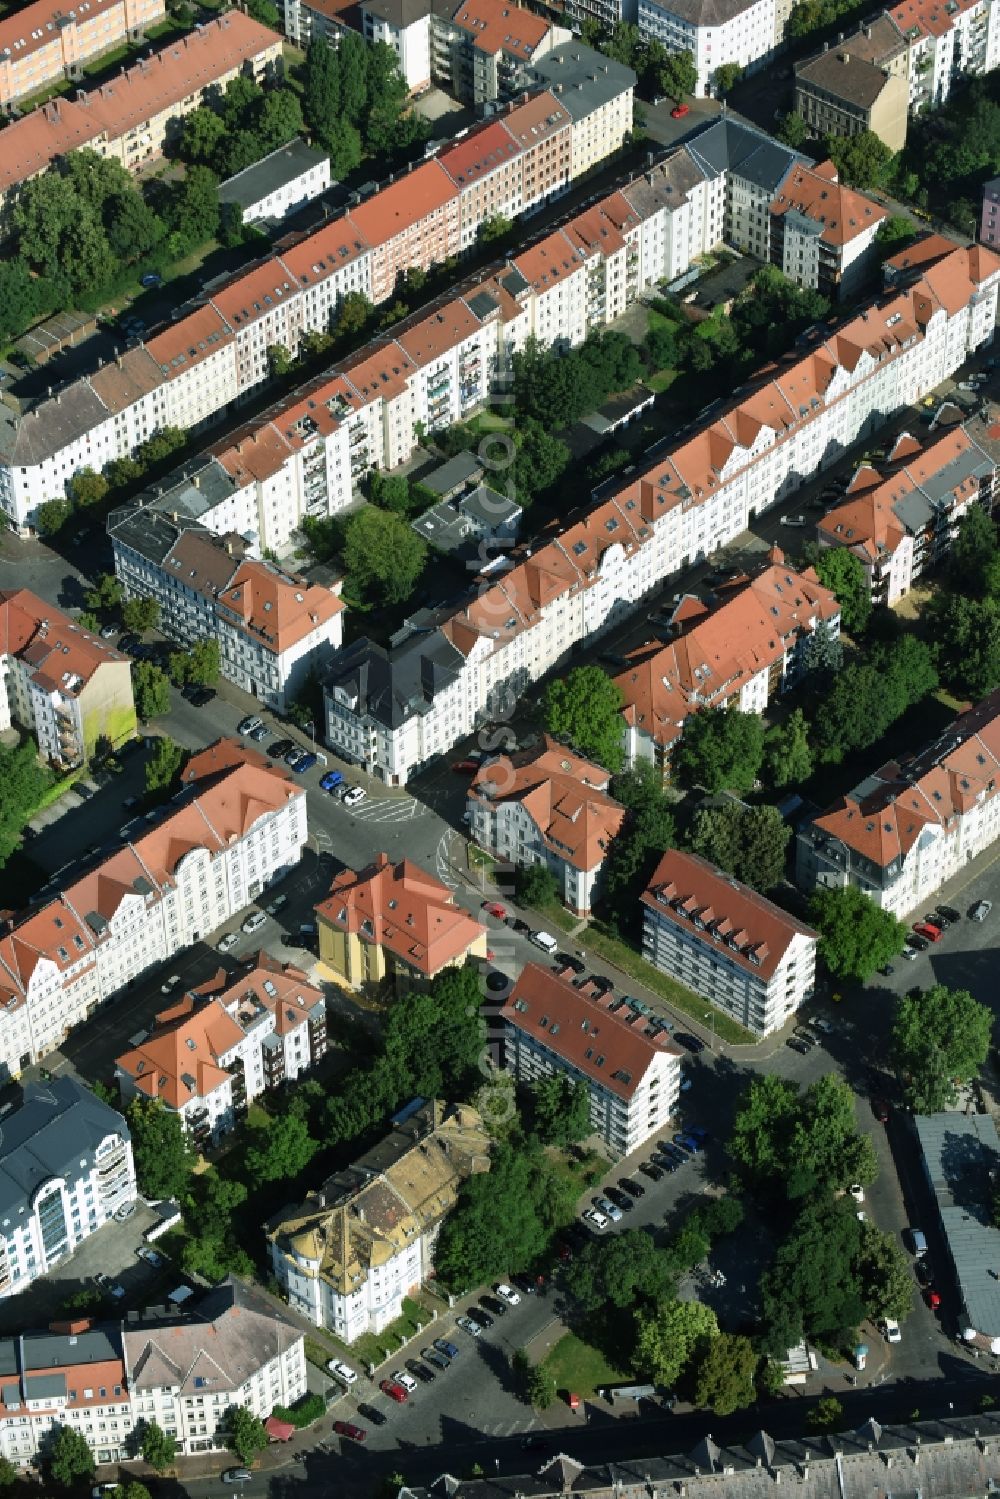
pixel 826 1415
pixel 8 1474
pixel 647 832
pixel 150 689
pixel 721 749
pixel 140 615
pixel 540 461
pixel 264 12
pixel 53 515
pixel 749 842
pixel 793 130
pixel 24 296
pixel 164 765
pixel 787 757
pixel 727 75
pixel 670 1336
pixel 867 697
pixel 940 1037
pixel 88 488
pixel 584 707
pixel 23 782
pixel 71 1460
pixel 885 1275
pixel 133 228
pixel 536 886
pixel 434 1042
pixel 278 1151
pixel 343 144
pixel 973 552
pixel 856 937
pixel 799 1143
pixel 863 160
pixel 247 1436
pixel 158 1448
pixel 678 75
pixel 279 361
pixel 353 315
pixel 203 134
pixel 811 1287
pixel 192 208
pixel 839 570
pixel 620 1271
pixel 724 1375
pixel 496 226
pixel 106 594
pixel 822 653
pixel 162 1156
pixel 967 633
pixel 540 1387
pixel 204 662
pixel 893 233
pixel 382 555
pixel 560 1110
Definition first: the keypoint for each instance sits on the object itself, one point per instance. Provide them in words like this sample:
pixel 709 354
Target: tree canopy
pixel 812 1287
pixel 619 1271
pixel 839 570
pixel 584 706
pixel 748 842
pixel 556 387
pixel 724 1376
pixel 670 1336
pixel 799 1143
pixel 560 1109
pixel 23 782
pixel 862 160
pixel 721 749
pixel 383 556
pixel 71 1461
pixel 867 697
pixel 787 757
pixel 940 1037
pixel 648 831
pixel 150 689
pixel 162 1155
pixel 856 937
pixel 247 1436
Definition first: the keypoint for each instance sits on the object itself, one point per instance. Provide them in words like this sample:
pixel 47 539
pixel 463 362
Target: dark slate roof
pixel 48 1350
pixel 581 79
pixel 449 476
pixel 393 686
pixel 960 1151
pixel 58 1124
pixel 270 173
pixel 399 13
pixel 727 145
pixel 143 530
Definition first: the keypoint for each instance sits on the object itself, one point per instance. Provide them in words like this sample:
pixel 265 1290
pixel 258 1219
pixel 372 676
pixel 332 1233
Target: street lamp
pixel 710 1015
pixel 312 731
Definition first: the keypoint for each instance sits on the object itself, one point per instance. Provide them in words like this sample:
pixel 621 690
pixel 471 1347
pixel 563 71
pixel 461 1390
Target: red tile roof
pixel 603 1046
pixel 404 203
pixel 501 26
pixel 566 797
pixel 61 654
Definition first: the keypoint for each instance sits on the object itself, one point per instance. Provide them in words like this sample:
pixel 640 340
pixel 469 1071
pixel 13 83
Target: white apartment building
pixel 552 808
pixel 716 936
pixel 65 1169
pixel 904 831
pixel 715 32
pixel 946 41
pixel 183 1370
pixel 60 682
pixel 279 184
pixel 220 1046
pixel 405 26
pixel 238 824
pixel 273 627
pixel 630 1067
pixel 350 1254
pixel 902 517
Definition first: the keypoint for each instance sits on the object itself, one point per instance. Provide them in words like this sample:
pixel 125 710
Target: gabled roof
pixel 60 656
pixel 56 1123
pixel 404 909
pixel 501 26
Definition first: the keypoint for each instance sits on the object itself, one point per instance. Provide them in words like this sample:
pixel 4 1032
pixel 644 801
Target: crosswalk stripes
pixel 389 809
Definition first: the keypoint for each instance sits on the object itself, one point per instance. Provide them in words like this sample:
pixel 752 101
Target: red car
pixel 494 908
pixel 348 1429
pixel 924 929
pixel 680 110
pixel 394 1391
pixel 933 1299
pixel 465 767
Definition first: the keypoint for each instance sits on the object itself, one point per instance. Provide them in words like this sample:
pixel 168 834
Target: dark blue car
pixel 304 762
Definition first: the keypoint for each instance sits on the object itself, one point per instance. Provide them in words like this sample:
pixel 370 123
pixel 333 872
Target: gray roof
pixel 58 1124
pixel 399 13
pixel 668 183
pixel 144 530
pixel 727 145
pixel 44 1386
pixel 394 686
pixel 442 526
pixel 944 1459
pixel 48 1350
pixel 489 507
pixel 841 73
pixel 271 172
pixel 918 507
pixel 581 79
pixel 705 12
pixel 448 477
pixel 960 1151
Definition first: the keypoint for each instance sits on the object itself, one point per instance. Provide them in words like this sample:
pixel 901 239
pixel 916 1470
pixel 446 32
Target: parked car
pixel 394 1390
pixel 650 1169
pixel 633 1188
pixel 449 1350
pixel 621 1200
pixel 151 278
pixel 924 929
pixel 948 913
pixel 433 1356
pixel 608 1208
pixel 125 1212
pixel 277 904
pixel 805 1036
pixel 254 922
pixel 342 1371
pixel 304 762
pixel 421 1371
pixel 150 1256
pixel 170 983
pixel 248 724
pixel 468 1325
pixel 566 960
pixel 465 767
pixel 596 1217
pixel 494 908
pixel 516 924
pixel 494 1306
pixel 354 795
pixel 857 1191
pixel 680 110
pixel 225 943
pixel 890 1328
pixel 797 1044
pixel 481 1318
pixel 350 1430
pixel 201 697
pixel 279 748
pixel 881 1110
pixel 794 520
pixel 406 1380
pixel 689 1042
pixel 237 1475
pixel 259 733
pixel 508 1294
pixel 373 1414
pixel 980 910
pixel 919 942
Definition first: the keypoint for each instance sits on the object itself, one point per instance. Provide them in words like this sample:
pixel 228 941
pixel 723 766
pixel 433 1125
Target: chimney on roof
pixel 196 480
pixel 229 548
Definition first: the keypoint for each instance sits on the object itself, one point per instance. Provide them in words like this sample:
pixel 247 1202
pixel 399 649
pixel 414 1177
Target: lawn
pixel 580 1368
pixel 616 952
pixel 662 380
pixel 376 1348
pixel 107 60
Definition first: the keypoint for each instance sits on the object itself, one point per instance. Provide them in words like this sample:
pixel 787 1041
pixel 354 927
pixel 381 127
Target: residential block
pixel 42 43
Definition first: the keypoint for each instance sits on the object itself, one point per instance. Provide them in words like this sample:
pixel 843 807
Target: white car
pixel 857 1191
pixel 822 1024
pixel 793 520
pixel 254 922
pixel 355 795
pixel 170 983
pixel 150 1256
pixel 891 1330
pixel 467 1325
pixel 226 942
pixel 277 904
pixel 597 1218
pixel 508 1294
pixel 981 910
pixel 342 1371
pixel 406 1380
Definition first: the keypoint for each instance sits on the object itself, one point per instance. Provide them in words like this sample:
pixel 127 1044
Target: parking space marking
pixel 443 866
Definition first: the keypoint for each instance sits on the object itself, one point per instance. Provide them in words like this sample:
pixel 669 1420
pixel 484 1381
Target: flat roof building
pixel 961 1155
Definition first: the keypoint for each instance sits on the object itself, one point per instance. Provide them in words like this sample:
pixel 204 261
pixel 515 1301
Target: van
pixel 918 1243
pixel 545 941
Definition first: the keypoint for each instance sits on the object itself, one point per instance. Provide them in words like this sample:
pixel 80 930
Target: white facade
pixel 266 192
pixel 947 44
pixel 408 35
pixel 713 35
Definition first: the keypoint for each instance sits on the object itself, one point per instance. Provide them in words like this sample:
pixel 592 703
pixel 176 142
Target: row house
pixel 860 84
pixel 597 92
pixel 901 518
pixel 182 1369
pixel 692 499
pixel 273 627
pixel 66 1169
pixel 352 1251
pixel 238 824
pixel 412 223
pixel 396 924
pixel 613 1046
pixel 484 50
pixel 744 650
pixel 946 40
pixel 69 689
pixel 224 1044
pixel 731 945
pixel 132 117
pixel 42 43
pixel 551 808
pixel 913 824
